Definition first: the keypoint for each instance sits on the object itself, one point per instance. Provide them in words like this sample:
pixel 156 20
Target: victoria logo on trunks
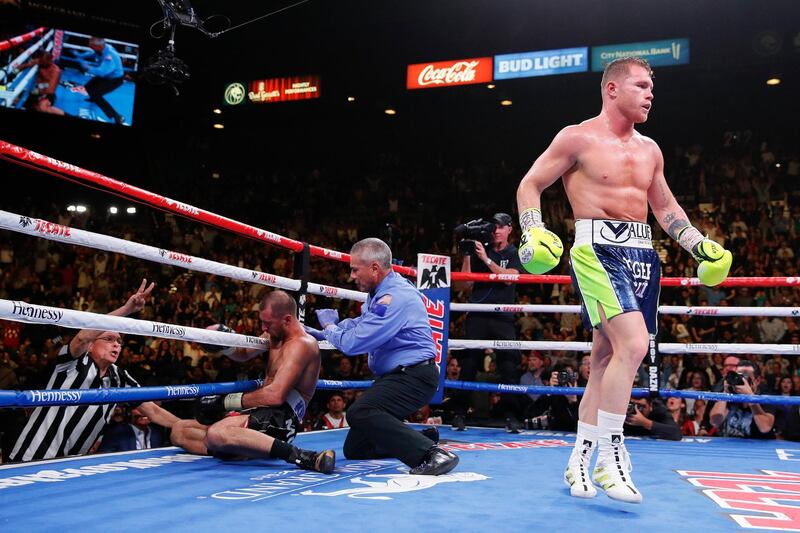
pixel 624 231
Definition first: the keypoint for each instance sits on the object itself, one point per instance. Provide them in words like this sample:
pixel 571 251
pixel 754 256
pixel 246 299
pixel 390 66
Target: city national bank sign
pixel 664 53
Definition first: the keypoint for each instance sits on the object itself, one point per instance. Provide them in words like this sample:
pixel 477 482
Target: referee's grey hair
pixel 373 249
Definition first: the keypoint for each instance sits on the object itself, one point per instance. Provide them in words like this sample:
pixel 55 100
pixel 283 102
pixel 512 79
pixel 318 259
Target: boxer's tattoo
pixel 675 224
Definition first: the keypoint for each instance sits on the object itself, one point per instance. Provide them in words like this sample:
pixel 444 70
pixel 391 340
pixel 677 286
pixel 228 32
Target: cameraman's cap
pixel 502 219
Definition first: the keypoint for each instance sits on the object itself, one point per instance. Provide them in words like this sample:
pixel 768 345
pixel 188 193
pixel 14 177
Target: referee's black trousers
pixel 376 418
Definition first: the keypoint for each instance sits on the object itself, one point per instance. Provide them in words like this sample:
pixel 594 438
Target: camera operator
pixel 650 417
pixel 555 411
pixel 750 420
pixel 499 258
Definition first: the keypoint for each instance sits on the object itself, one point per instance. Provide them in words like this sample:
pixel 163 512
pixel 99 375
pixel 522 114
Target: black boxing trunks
pixel 613 265
pixel 279 422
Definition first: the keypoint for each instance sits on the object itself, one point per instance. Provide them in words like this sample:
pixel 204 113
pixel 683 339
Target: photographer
pixel 555 411
pixel 750 420
pixel 648 417
pixel 499 258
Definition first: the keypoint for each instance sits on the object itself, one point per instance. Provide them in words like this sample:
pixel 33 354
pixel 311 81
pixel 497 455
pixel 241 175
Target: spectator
pixel 334 418
pixel 555 411
pixel 139 434
pixel 534 374
pixel 749 420
pixel 651 418
pixel 697 423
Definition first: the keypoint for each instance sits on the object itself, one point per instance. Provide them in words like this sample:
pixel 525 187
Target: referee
pixel 393 328
pixel 87 362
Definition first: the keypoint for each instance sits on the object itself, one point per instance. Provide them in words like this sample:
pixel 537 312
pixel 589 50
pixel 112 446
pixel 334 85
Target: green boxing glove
pixel 715 262
pixel 539 250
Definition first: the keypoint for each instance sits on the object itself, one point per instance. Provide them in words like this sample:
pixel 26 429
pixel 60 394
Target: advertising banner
pixel 272 90
pixel 433 280
pixel 544 63
pixel 664 53
pixel 448 73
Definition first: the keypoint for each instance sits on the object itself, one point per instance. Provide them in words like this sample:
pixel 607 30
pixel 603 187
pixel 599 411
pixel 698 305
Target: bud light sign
pixel 546 63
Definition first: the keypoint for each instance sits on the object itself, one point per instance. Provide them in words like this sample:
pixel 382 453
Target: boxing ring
pixel 503 482
pixel 719 484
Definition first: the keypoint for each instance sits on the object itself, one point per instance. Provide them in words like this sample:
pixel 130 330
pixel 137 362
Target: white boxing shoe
pixel 612 472
pixel 576 476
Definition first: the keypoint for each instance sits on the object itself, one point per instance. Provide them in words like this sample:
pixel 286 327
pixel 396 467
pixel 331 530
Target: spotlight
pixel 131 210
pixel 113 210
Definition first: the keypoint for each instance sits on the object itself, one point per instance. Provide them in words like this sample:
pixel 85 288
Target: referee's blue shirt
pixel 393 327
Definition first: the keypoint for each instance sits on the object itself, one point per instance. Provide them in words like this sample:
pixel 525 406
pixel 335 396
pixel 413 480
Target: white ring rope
pixel 66 234
pixel 69 318
pixel 665 348
pixel 664 309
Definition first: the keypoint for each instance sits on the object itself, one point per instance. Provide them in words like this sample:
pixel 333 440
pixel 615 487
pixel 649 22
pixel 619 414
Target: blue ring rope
pixel 35 398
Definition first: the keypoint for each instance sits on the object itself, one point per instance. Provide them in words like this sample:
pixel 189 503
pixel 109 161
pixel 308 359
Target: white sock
pixel 586 433
pixel 608 424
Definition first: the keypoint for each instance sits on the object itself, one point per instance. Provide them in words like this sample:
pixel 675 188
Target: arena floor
pixel 504 482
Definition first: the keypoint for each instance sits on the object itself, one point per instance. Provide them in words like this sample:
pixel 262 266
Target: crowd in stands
pixel 743 194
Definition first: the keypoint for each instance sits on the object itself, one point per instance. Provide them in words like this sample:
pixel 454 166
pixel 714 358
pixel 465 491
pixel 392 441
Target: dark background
pixel 361 48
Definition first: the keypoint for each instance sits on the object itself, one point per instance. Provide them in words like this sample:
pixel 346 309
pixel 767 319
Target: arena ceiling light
pixel 217 111
pixel 131 210
pixel 491 86
pixel 219 126
pixel 351 98
pixel 80 208
pixel 71 208
pixel 113 210
pixel 774 81
pixel 390 111
pixel 506 103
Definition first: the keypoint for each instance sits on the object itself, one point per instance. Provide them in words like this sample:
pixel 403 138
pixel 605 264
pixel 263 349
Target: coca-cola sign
pixel 447 73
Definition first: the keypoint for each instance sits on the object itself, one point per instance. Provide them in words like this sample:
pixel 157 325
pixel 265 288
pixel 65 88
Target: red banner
pixel 446 73
pixel 283 89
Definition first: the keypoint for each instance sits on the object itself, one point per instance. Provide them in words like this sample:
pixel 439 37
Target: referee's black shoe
pixel 436 462
pixel 432 433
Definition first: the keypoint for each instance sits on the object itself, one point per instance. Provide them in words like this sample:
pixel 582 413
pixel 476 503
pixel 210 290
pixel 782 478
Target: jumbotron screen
pixel 60 72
